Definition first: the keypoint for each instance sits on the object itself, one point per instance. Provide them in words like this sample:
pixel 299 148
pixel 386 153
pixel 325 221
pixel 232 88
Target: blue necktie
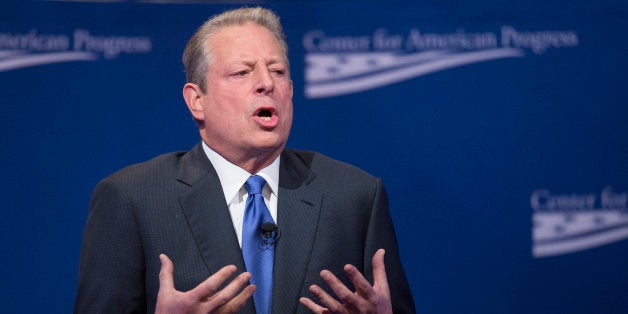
pixel 258 252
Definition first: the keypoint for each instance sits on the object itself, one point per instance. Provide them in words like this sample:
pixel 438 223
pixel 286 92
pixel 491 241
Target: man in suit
pixel 165 235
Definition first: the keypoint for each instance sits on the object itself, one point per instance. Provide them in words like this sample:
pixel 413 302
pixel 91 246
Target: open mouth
pixel 265 115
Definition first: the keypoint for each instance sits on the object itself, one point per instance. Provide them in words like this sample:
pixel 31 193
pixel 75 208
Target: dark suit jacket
pixel 329 213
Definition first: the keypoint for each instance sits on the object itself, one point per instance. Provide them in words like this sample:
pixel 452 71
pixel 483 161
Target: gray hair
pixel 197 54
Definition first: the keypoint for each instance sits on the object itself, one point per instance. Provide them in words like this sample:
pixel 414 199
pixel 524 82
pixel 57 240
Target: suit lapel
pixel 208 217
pixel 206 211
pixel 298 210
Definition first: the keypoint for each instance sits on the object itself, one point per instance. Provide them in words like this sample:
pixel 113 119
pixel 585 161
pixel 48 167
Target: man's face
pixel 247 108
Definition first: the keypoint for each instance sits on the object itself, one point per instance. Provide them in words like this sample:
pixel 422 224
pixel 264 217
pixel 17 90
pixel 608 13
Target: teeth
pixel 265 118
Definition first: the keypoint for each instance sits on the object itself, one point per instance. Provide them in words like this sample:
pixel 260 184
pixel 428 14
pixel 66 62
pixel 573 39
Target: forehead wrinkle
pixel 252 61
pixel 213 43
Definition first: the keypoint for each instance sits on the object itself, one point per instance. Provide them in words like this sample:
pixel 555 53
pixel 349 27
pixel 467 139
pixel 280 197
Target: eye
pixel 278 71
pixel 241 73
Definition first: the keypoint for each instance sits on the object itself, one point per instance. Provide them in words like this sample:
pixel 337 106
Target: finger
pixel 311 305
pixel 166 282
pixel 237 303
pixel 232 292
pixel 362 287
pixel 348 297
pixel 332 304
pixel 208 287
pixel 380 279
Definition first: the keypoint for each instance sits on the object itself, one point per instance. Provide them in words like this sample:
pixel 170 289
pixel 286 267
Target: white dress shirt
pixel 232 179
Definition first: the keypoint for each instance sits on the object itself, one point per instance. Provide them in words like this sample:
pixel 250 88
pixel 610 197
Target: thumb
pixel 379 270
pixel 166 282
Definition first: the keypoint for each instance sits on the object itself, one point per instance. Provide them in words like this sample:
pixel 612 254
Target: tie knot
pixel 254 184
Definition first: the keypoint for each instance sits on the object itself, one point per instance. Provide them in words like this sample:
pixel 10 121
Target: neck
pixel 254 164
pixel 252 160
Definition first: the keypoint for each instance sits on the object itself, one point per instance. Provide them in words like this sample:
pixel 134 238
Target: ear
pixel 193 98
pixel 291 89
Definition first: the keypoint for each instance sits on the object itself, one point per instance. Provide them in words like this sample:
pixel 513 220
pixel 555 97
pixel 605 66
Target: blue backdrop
pixel 500 131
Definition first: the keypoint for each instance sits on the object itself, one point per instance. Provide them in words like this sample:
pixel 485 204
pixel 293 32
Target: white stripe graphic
pixel 579 244
pixel 45 58
pixel 381 79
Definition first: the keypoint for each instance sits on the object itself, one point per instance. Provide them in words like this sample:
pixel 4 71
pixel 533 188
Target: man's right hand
pixel 204 298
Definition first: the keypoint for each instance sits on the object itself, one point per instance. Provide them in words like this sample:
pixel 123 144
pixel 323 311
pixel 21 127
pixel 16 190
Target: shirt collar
pixel 232 177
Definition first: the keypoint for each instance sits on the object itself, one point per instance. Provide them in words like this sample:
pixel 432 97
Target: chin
pixel 269 145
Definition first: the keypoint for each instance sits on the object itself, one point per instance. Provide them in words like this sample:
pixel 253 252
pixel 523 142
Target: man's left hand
pixel 366 299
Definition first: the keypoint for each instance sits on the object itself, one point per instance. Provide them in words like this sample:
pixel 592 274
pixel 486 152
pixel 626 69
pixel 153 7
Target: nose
pixel 265 83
